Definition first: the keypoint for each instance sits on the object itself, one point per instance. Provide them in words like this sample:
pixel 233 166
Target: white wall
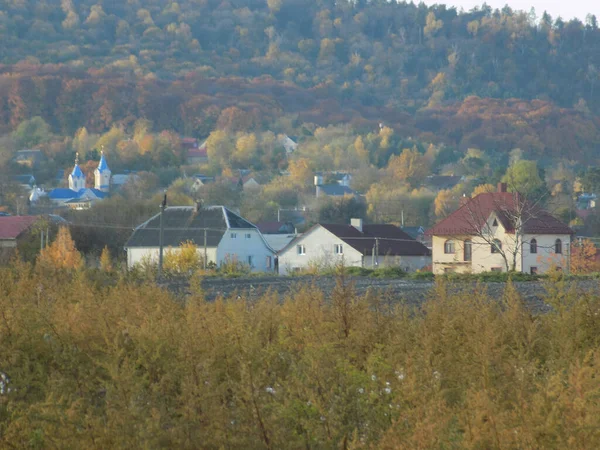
pixel 545 257
pixel 406 263
pixel 136 255
pixel 241 248
pixel 319 245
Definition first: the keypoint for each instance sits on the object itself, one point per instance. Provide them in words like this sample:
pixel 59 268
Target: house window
pixel 533 270
pixel 449 270
pixel 558 246
pixel 268 264
pixel 468 250
pixel 533 246
pixel 300 249
pixel 248 235
pixel 337 249
pixel 496 269
pixel 233 235
pixel 449 247
pixel 495 224
pixel 250 260
pixel 496 246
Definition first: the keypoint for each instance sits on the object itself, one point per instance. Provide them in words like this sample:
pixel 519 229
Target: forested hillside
pixel 425 71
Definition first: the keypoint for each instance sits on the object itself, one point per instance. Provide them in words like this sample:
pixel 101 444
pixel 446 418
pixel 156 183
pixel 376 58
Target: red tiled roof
pixel 470 218
pixel 391 239
pixel 11 227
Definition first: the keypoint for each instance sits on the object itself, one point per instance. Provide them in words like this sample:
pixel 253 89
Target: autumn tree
pixel 483 189
pixel 61 253
pixel 410 166
pixel 445 203
pixel 106 260
pixel 583 257
pixel 183 260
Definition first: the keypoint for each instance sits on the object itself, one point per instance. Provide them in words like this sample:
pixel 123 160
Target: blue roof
pixel 77 172
pixel 60 193
pixel 102 166
pixel 97 192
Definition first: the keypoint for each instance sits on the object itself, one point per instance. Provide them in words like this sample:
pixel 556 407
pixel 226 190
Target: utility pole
pixel 204 248
pixel 163 205
pixel 42 240
pixel 377 251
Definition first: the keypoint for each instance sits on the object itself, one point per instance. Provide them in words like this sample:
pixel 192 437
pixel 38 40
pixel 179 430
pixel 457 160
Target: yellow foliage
pixel 445 203
pixel 583 257
pixel 410 166
pixel 61 253
pixel 483 189
pixel 300 171
pixel 106 260
pixel 185 259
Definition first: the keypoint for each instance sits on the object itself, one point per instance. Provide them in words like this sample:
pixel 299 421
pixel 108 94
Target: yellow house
pixel 499 231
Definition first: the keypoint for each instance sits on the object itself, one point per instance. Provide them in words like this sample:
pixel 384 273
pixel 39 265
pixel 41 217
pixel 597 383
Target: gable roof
pixel 471 217
pixel 11 227
pixel 186 223
pixel 335 190
pixel 391 240
pixel 275 227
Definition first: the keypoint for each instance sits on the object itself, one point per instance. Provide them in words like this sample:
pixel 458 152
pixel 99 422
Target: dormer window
pixel 495 223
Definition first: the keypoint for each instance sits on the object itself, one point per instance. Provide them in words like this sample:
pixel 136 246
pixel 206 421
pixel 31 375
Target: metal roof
pixel 187 223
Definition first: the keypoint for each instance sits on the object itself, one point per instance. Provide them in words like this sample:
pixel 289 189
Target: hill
pixel 416 68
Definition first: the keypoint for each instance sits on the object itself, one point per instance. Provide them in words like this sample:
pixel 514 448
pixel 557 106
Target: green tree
pixel 524 177
pixel 32 133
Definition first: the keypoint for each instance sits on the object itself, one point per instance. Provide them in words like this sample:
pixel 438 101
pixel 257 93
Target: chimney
pixel 318 182
pixel 357 223
pixel 502 187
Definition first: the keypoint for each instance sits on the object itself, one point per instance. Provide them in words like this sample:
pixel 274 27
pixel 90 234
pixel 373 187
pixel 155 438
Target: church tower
pixel 102 175
pixel 77 177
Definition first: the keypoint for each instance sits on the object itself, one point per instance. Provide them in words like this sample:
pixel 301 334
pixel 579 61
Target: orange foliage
pixel 61 253
pixel 584 257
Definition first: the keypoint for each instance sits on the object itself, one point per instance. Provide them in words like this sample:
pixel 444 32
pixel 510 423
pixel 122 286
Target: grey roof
pixel 336 190
pixel 186 223
pixel 414 232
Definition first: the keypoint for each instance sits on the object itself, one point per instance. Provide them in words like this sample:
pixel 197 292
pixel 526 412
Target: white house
pixel 357 245
pixel 500 231
pixel 217 232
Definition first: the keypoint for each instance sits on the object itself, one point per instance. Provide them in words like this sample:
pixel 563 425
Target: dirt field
pixel 410 291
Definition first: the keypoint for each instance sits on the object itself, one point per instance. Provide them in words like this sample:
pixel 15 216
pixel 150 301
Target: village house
pixel 12 228
pixel 500 231
pixel 220 235
pixel 331 189
pixel 195 153
pixel 354 245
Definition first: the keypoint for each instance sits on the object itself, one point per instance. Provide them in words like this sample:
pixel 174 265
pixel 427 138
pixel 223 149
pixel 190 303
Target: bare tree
pixel 482 215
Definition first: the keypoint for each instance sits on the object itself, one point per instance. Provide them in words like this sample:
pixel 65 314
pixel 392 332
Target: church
pixel 77 196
